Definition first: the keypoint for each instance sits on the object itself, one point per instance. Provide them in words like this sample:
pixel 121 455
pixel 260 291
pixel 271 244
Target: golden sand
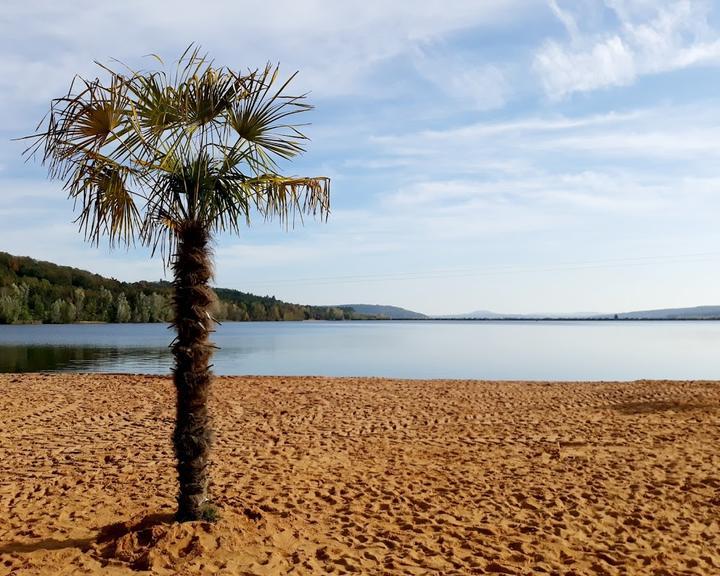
pixel 358 475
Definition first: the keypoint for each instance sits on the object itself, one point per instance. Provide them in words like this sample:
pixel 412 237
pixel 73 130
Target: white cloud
pixel 549 173
pixel 539 195
pixel 607 63
pixel 335 44
pixel 476 85
pixel 681 136
pixel 652 38
pixel 567 19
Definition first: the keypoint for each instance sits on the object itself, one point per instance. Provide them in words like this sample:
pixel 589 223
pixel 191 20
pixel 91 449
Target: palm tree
pixel 171 159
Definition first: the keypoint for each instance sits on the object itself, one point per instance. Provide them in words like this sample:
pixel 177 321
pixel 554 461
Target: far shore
pixel 365 475
pixel 419 320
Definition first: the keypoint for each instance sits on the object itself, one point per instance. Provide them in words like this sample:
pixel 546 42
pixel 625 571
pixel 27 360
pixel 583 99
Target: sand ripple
pixel 371 476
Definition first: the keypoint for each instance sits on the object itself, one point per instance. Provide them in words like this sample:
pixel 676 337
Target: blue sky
pixel 514 155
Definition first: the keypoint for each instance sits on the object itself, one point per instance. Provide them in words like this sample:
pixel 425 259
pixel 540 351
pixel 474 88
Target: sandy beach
pixel 370 476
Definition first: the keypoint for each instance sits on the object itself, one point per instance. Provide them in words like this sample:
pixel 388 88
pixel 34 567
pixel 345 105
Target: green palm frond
pixel 141 152
pixel 260 116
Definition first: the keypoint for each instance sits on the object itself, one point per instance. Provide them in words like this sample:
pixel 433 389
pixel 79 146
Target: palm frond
pixel 143 151
pixel 285 198
pixel 260 116
pixel 108 205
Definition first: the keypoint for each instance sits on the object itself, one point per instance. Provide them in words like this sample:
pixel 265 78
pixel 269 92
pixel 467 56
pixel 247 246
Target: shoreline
pixel 386 379
pixel 528 319
pixel 374 475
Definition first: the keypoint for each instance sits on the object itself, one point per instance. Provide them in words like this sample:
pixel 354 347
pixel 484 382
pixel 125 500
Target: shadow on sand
pixel 106 535
pixel 83 544
pixel 652 406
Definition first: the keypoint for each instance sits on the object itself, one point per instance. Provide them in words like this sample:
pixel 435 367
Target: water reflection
pixel 18 358
pixel 482 350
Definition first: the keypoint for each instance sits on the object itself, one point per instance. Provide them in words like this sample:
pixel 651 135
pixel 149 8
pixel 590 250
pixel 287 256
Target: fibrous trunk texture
pixel 192 350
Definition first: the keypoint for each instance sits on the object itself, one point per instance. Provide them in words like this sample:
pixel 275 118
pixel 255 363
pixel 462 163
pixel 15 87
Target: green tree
pixel 68 312
pixel 38 307
pixel 105 304
pixel 10 305
pixel 274 313
pixel 159 309
pixel 79 302
pixel 123 312
pixel 141 309
pixel 172 159
pixel 336 314
pixel 56 312
pixel 257 311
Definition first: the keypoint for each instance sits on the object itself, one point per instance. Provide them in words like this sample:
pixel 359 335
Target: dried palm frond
pixel 142 151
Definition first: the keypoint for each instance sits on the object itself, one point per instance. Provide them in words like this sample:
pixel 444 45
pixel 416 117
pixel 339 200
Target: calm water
pixel 487 350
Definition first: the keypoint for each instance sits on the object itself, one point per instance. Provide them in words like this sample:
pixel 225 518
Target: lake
pixel 439 349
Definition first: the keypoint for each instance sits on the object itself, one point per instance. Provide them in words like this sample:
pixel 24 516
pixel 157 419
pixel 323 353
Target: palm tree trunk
pixel 192 350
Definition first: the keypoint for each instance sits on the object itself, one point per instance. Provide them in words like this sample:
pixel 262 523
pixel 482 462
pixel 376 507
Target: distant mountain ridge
pixel 388 312
pixel 489 315
pixel 691 313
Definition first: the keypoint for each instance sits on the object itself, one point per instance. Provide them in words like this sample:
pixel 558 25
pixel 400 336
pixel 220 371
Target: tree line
pixel 34 291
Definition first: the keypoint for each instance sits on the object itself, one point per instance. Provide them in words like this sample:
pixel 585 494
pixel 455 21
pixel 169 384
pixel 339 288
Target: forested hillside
pixel 36 291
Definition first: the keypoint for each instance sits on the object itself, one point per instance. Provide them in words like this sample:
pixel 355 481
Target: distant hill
pixel 37 291
pixel 488 315
pixel 476 315
pixel 693 313
pixel 484 314
pixel 387 312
